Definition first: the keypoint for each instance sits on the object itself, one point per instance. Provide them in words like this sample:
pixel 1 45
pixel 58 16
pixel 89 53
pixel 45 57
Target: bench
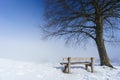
pixel 72 61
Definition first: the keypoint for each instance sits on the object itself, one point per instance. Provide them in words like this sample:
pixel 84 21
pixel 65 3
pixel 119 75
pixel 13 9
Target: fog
pixel 47 51
pixel 20 36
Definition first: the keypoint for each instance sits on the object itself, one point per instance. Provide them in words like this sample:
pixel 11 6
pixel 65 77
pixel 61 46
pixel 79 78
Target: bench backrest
pixel 78 59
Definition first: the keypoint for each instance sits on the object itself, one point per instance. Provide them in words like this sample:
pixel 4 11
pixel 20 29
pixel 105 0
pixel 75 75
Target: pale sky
pixel 20 35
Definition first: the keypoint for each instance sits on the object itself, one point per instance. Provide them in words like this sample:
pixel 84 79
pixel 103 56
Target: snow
pixel 17 70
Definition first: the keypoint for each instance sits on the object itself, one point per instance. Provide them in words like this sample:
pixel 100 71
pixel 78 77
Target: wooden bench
pixel 72 61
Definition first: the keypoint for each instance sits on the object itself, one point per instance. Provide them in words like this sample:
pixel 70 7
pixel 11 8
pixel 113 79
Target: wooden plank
pixel 75 63
pixel 77 58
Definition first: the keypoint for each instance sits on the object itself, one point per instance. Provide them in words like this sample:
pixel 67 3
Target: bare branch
pixel 79 17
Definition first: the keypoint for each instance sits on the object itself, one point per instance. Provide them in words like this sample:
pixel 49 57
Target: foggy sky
pixel 20 35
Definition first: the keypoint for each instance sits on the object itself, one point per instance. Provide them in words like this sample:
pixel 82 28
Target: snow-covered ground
pixel 16 70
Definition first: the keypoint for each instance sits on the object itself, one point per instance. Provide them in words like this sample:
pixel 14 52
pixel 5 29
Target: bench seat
pixel 72 63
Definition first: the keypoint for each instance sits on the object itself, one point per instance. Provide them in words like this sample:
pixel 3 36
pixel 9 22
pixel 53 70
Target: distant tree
pixel 81 20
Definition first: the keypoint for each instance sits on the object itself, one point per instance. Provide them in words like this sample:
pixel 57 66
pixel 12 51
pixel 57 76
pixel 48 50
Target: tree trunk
pixel 104 59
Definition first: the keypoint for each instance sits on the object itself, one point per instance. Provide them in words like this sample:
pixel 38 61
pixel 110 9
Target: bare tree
pixel 80 20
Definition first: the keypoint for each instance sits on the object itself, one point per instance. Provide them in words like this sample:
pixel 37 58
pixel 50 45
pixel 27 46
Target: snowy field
pixel 16 70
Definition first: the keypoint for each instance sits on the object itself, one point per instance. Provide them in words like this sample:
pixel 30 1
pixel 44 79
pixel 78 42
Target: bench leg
pixel 92 69
pixel 69 64
pixel 65 68
pixel 86 67
pixel 68 68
